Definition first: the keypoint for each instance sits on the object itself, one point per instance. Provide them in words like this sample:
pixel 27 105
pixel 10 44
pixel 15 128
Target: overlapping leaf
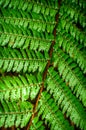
pixel 52 115
pixel 16 37
pixel 12 113
pixel 35 36
pixel 74 12
pixel 22 60
pixel 35 6
pixel 72 47
pixel 71 73
pixel 20 87
pixel 37 124
pixel 29 20
pixel 65 99
pixel 65 24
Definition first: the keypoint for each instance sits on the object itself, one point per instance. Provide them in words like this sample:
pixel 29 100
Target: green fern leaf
pixel 28 6
pixel 71 74
pixel 22 38
pixel 15 88
pixel 74 49
pixel 73 30
pixel 43 64
pixel 31 20
pixel 80 3
pixel 25 60
pixel 74 12
pixel 65 99
pixel 37 124
pixel 15 113
pixel 51 113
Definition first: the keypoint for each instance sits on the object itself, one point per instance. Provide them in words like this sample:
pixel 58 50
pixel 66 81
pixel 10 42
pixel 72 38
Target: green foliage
pixel 16 37
pixel 71 73
pixel 15 113
pixel 43 64
pixel 71 46
pixel 65 99
pixel 20 87
pixel 80 3
pixel 73 30
pixel 22 60
pixel 75 11
pixel 36 6
pixel 27 20
pixel 50 112
pixel 37 124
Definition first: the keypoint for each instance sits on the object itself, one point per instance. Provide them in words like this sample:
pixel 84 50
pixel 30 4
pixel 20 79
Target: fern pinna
pixel 43 64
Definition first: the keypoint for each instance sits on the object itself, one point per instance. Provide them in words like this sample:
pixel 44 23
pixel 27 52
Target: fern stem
pixel 46 70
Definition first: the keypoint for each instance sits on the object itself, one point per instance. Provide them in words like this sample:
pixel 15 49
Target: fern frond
pixel 12 113
pixel 27 20
pixel 21 38
pixel 72 47
pixel 75 32
pixel 37 124
pixel 81 3
pixel 52 115
pixel 71 73
pixel 65 99
pixel 35 6
pixel 74 12
pixel 43 64
pixel 20 87
pixel 22 60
